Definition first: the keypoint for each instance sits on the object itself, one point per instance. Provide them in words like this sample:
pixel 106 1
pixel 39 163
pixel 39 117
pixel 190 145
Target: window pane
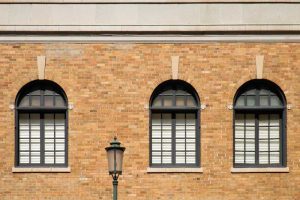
pixel 239 132
pixel 274 145
pixel 181 92
pixel 251 100
pixel 191 101
pixel 168 101
pixel 191 119
pixel 180 120
pixel 239 157
pixel 275 101
pixel 59 159
pixel 264 100
pixel 251 92
pixel 250 145
pixel 240 101
pixel 49 101
pixel 59 101
pixel 263 145
pixel 25 101
pixel 274 120
pixel 156 119
pixel 239 119
pixel 239 145
pixel 35 100
pixel 274 158
pixel 156 160
pixel 157 101
pixel 250 157
pixel 49 92
pixel 180 100
pixel 264 92
pixel 263 158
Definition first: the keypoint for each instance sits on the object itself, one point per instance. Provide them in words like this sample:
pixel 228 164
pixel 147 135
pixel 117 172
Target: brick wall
pixel 110 86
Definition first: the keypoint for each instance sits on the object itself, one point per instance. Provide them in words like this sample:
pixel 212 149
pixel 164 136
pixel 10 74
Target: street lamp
pixel 115 160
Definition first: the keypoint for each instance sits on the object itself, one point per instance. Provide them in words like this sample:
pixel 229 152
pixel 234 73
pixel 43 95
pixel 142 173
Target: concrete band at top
pixel 150 17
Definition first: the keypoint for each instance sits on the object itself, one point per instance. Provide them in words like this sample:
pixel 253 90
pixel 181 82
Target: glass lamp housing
pixel 115 157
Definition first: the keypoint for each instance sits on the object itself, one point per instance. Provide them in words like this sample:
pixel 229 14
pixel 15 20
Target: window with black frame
pixel 174 129
pixel 259 125
pixel 41 125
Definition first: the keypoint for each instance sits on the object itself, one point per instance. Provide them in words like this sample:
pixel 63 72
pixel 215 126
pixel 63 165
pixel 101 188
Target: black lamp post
pixel 115 160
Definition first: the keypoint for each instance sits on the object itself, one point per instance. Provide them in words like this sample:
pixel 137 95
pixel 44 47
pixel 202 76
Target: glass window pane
pixel 156 120
pixel 49 101
pixel 264 100
pixel 166 119
pixel 250 119
pixel 36 92
pixel 240 101
pixel 263 158
pixel 180 119
pixel 251 92
pixel 25 101
pixel 35 100
pixel 274 157
pixel 264 92
pixel 239 157
pixel 250 145
pixel 239 145
pixel 180 100
pixel 250 157
pixel 263 145
pixel 168 101
pixel 251 100
pixel 190 119
pixel 239 132
pixel 275 101
pixel 180 159
pixel 239 119
pixel 274 120
pixel 274 145
pixel 168 92
pixel 157 101
pixel 181 92
pixel 191 101
pixel 166 160
pixel 59 119
pixel 59 101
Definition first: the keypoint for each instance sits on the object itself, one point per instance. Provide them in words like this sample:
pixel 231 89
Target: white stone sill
pixel 174 170
pixel 260 170
pixel 41 170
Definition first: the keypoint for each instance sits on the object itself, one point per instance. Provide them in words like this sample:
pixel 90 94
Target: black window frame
pixel 42 110
pixel 257 85
pixel 175 85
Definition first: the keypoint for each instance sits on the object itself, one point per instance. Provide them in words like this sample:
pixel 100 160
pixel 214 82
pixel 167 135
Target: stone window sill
pixel 41 170
pixel 260 170
pixel 174 170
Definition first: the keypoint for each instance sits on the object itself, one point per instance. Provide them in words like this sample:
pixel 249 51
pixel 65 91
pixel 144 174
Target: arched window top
pixel 41 94
pixel 174 94
pixel 260 94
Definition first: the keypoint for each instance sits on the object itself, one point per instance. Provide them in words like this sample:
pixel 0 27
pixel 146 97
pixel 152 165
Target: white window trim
pixel 41 169
pixel 174 170
pixel 261 170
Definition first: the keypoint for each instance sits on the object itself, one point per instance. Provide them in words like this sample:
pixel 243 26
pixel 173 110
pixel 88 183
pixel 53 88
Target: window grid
pixel 176 99
pixel 40 99
pixel 266 107
pixel 173 153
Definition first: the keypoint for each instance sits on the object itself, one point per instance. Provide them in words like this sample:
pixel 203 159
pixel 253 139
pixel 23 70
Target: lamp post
pixel 115 160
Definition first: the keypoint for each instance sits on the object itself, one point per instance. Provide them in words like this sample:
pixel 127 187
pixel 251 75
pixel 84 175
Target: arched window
pixel 41 125
pixel 259 125
pixel 174 129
